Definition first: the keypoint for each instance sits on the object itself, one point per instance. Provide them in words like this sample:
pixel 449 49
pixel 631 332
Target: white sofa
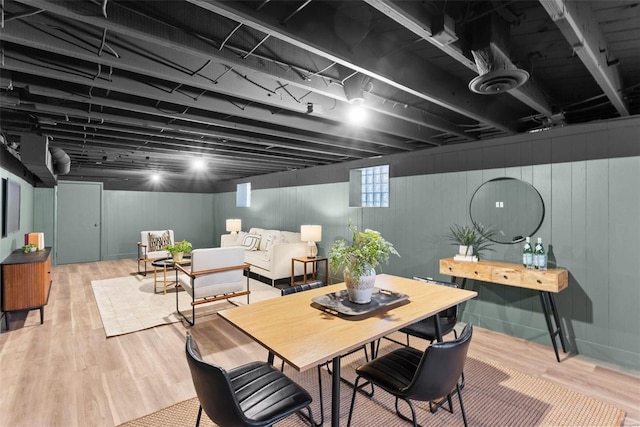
pixel 272 256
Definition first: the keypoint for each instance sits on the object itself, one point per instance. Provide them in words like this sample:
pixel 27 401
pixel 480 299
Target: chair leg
pixel 199 416
pixel 310 418
pixel 193 311
pixel 413 418
pixel 464 415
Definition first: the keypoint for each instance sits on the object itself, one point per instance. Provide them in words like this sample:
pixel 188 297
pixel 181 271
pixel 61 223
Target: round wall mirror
pixel 511 207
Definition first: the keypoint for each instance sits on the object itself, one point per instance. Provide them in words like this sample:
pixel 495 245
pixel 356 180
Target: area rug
pixel 128 304
pixel 493 395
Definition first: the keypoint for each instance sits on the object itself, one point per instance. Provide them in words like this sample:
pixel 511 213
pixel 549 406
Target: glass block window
pixel 372 186
pixel 243 195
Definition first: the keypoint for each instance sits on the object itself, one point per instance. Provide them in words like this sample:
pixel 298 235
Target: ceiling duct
pixel 354 88
pixel 497 74
pixel 61 161
pixel 44 162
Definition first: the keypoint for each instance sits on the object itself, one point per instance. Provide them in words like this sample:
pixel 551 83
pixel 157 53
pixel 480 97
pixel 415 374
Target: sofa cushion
pixel 251 242
pixel 291 236
pixel 258 258
pixel 277 234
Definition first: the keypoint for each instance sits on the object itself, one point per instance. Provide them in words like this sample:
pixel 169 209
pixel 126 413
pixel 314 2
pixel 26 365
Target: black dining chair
pixel 252 395
pixel 410 374
pixel 426 329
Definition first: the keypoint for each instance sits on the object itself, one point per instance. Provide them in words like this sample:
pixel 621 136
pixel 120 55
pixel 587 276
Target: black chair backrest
pixel 302 287
pixel 440 368
pixel 213 389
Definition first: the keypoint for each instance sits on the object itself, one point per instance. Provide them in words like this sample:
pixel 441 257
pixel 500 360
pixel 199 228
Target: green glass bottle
pixel 539 257
pixel 527 254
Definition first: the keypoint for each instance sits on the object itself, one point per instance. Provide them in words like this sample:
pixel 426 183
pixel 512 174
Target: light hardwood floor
pixel 66 373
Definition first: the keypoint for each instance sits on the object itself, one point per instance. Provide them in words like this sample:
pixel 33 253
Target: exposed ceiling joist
pixel 413 16
pixel 144 29
pixel 578 25
pixel 439 88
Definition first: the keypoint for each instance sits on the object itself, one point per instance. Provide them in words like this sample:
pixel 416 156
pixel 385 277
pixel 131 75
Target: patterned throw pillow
pixel 158 241
pixel 271 239
pixel 251 242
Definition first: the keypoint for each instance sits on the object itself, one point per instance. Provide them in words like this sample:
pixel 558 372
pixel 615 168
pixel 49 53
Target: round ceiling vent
pixel 498 81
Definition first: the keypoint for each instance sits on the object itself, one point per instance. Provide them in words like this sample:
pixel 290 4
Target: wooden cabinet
pixel 26 282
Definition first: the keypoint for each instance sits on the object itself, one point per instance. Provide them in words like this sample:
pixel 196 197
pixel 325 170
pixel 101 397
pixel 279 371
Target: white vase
pixel 177 256
pixel 360 292
pixel 465 250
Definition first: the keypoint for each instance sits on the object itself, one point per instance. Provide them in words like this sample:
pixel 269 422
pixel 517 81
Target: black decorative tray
pixel 339 302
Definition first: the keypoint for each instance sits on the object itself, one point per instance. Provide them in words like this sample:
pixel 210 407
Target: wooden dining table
pixel 304 335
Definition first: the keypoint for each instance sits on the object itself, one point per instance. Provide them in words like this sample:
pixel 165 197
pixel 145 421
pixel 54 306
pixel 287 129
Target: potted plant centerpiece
pixel 178 250
pixel 474 239
pixel 358 260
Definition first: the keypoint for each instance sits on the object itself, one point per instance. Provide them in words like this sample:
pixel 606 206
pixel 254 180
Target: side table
pixel 308 260
pixel 165 263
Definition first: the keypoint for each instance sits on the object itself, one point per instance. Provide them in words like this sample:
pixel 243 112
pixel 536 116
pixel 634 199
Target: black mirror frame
pixel 518 238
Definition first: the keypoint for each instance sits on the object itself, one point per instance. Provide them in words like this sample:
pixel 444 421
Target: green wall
pixel 587 176
pixel 592 224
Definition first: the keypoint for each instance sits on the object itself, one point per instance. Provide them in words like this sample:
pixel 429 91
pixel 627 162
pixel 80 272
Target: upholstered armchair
pixel 150 247
pixel 215 274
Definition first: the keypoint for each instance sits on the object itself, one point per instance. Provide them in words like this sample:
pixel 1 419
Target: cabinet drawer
pixel 470 270
pixel 506 276
pixel 548 281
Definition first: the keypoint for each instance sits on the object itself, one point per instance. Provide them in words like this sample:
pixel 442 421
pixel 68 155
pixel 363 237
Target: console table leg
pixel 546 305
pixel 554 310
pixel 6 319
pixel 41 315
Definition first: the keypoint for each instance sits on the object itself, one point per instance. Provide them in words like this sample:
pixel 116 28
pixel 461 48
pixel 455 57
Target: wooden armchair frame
pixel 208 299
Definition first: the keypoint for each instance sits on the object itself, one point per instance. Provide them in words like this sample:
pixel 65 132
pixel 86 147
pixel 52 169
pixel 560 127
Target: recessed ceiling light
pixel 357 115
pixel 199 164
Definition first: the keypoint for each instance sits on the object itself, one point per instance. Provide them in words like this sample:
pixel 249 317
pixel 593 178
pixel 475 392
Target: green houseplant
pixel 471 239
pixel 358 260
pixel 178 249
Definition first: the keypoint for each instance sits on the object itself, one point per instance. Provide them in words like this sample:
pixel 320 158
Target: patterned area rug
pixel 493 395
pixel 129 304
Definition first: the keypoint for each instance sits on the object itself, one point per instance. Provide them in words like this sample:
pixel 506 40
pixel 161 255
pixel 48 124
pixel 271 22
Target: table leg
pixel 335 392
pixel 164 284
pixel 549 305
pixel 155 278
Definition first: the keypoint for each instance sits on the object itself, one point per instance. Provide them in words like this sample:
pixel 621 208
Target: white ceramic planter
pixel 360 292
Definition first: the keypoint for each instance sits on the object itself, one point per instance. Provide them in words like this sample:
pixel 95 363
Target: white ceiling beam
pixel 578 24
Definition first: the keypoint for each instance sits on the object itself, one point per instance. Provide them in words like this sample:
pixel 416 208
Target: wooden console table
pixel 548 283
pixel 26 282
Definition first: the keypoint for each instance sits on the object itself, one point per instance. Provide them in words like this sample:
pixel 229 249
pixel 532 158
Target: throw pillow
pixel 159 241
pixel 271 239
pixel 251 242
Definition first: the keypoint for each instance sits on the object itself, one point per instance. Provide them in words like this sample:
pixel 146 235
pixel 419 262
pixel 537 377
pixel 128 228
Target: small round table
pixel 164 264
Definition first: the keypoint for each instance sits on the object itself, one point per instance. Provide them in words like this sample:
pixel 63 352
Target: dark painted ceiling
pixel 127 88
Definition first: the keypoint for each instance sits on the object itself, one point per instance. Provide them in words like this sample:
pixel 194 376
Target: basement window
pixel 369 187
pixel 243 195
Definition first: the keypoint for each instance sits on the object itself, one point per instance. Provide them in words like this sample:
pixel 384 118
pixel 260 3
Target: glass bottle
pixel 539 257
pixel 527 254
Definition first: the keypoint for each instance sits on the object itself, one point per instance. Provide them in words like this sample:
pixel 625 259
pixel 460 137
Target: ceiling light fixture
pixel 357 114
pixel 199 164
